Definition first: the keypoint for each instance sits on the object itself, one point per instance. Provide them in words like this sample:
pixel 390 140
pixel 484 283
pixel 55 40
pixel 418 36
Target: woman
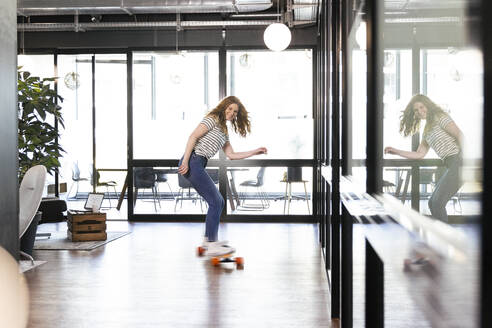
pixel 442 135
pixel 204 142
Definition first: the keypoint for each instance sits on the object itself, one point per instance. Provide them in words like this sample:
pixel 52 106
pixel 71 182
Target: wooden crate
pixel 86 226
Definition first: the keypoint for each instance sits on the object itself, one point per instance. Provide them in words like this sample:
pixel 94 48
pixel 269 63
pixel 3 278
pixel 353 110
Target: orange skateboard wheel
pixel 200 251
pixel 215 261
pixel 239 263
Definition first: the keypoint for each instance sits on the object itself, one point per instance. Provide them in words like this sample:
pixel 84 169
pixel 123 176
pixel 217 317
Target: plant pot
pixel 294 174
pixel 27 240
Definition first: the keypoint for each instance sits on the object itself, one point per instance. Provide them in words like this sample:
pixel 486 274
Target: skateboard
pixel 225 258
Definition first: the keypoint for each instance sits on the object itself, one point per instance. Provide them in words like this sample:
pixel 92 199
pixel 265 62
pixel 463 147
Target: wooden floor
pixel 153 278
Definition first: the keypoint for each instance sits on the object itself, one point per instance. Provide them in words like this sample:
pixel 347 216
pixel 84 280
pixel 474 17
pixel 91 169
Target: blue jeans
pixel 449 183
pixel 203 184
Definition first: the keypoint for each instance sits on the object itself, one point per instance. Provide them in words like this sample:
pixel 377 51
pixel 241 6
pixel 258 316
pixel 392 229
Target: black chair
pixel 183 185
pixel 260 194
pixel 162 178
pixel 76 179
pixel 106 184
pixel 145 178
pixel 213 174
pixel 389 187
pixel 430 177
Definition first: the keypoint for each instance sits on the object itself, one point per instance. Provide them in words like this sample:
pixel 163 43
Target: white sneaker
pixel 206 243
pixel 217 249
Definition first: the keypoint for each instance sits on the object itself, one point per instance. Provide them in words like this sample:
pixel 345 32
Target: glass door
pixel 110 123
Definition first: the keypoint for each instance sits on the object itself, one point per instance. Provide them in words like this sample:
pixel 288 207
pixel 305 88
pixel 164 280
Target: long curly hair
pixel 240 124
pixel 410 124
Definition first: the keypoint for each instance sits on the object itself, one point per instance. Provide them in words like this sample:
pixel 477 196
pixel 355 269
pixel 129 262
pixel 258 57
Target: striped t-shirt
pixel 212 141
pixel 438 139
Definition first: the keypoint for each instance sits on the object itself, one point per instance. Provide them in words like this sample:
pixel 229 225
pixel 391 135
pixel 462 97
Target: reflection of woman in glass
pixel 204 142
pixel 442 135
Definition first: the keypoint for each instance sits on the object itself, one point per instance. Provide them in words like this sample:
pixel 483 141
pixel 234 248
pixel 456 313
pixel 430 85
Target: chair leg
pixel 27 256
pixel 172 193
pixel 70 190
pixel 262 202
pixel 156 196
pixel 109 198
pixel 177 199
pixel 135 196
pixel 115 191
pixel 265 196
pixel 153 196
pixel 307 199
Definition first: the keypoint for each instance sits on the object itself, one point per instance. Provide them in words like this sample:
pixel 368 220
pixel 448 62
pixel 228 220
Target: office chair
pixel 185 184
pixel 76 179
pixel 213 174
pixel 145 178
pixel 106 184
pixel 389 187
pixel 30 194
pixel 260 194
pixel 162 178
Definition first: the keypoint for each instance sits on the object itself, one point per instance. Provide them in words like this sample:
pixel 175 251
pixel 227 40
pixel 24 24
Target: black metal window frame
pixel 221 163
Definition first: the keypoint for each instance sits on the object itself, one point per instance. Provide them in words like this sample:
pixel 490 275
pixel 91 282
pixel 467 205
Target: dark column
pixel 374 288
pixel 375 85
pixel 335 162
pixel 486 283
pixel 9 199
pixel 347 269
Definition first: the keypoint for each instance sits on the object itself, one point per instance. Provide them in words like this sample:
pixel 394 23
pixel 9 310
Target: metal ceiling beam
pixel 38 27
pixel 92 7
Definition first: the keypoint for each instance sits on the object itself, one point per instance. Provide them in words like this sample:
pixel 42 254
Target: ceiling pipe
pixel 132 7
pixel 42 27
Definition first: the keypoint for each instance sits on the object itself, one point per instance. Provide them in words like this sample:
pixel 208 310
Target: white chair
pixel 30 194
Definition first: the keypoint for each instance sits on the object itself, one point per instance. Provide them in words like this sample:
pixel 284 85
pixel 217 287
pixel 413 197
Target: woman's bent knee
pixel 217 201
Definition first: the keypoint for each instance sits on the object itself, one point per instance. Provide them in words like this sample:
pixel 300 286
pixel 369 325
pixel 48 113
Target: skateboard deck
pixel 225 258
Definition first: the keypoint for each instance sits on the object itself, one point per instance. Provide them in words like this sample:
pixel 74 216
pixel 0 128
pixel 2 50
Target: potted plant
pixel 38 111
pixel 37 138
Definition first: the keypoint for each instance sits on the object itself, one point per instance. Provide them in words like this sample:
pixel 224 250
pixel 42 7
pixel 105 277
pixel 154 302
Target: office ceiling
pixel 403 5
pixel 131 7
pixel 413 12
pixel 85 15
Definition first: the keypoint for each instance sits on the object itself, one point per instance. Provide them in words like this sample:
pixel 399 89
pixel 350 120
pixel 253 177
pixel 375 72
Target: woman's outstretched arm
pixel 199 131
pixel 231 154
pixel 418 154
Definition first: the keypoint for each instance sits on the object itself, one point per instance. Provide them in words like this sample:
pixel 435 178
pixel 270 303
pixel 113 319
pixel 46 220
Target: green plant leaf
pixel 37 107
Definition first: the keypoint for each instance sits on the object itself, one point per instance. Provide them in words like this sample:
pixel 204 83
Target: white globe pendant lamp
pixel 277 36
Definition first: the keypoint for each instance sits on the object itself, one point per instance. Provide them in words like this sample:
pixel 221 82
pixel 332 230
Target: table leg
pixel 405 188
pixel 122 193
pixel 229 195
pixel 290 198
pixel 234 191
pixel 285 197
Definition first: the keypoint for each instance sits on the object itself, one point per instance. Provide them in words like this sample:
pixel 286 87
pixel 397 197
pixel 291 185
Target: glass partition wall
pixel 277 90
pixel 433 108
pixel 422 110
pixel 446 67
pixel 93 88
pixel 172 92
